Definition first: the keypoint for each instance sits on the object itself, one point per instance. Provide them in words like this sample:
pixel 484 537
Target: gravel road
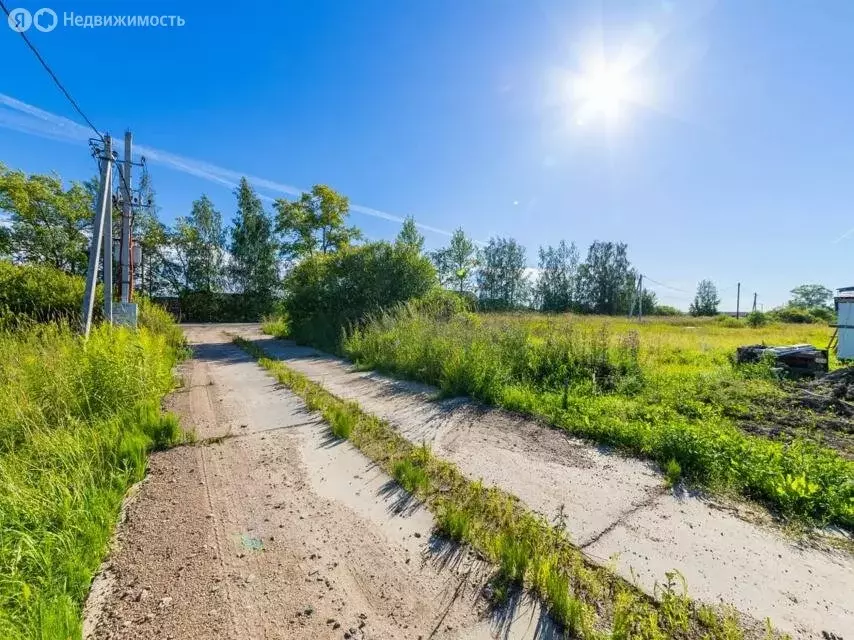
pixel 267 528
pixel 615 507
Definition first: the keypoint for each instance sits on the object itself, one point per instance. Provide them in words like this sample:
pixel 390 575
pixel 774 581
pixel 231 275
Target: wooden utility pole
pixel 738 302
pixel 100 229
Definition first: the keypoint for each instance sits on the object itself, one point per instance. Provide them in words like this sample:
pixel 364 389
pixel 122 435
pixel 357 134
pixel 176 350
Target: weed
pixel 673 472
pixel 411 477
pixel 454 521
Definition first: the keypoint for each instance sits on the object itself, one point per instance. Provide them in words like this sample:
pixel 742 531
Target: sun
pixel 602 91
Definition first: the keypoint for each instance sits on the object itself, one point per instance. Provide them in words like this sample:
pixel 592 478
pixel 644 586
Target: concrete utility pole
pixel 108 248
pixel 754 301
pixel 640 298
pixel 99 230
pixel 738 302
pixel 124 256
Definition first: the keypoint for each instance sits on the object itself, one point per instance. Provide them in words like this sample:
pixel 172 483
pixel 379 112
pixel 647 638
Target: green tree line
pixel 255 261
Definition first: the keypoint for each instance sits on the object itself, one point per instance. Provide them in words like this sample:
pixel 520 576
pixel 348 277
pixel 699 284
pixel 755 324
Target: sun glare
pixel 602 92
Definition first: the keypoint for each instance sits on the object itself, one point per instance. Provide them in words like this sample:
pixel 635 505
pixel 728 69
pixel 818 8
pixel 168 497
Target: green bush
pixel 756 319
pixel 728 321
pixel 330 294
pixel 794 315
pixel 442 304
pixel 40 294
pixel 667 310
pixel 823 314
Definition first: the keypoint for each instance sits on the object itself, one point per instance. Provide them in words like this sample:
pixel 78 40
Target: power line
pixel 53 76
pixel 667 286
pixel 59 84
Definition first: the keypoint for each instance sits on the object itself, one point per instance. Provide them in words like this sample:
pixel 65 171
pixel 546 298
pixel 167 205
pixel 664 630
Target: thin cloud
pixel 26 118
pixel 847 234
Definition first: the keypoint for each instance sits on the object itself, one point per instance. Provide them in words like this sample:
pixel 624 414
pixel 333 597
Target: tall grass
pixel 664 391
pixel 76 422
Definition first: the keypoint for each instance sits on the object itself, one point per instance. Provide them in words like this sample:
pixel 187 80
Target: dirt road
pixel 616 507
pixel 267 528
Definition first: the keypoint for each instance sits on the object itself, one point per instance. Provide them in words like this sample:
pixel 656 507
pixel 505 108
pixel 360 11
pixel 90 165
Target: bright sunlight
pixel 602 91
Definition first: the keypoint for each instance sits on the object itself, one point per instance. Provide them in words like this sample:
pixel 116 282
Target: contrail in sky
pixel 25 118
pixel 848 233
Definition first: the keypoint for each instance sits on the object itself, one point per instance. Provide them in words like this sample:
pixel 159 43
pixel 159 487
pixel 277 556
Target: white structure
pixel 845 323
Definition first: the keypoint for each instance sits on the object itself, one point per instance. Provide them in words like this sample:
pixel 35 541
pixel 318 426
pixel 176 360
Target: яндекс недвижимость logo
pixel 45 20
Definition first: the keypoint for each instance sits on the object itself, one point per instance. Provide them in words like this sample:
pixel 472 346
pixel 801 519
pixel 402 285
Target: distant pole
pixel 738 302
pixel 640 298
pixel 103 204
pixel 124 257
pixel 632 304
pixel 754 301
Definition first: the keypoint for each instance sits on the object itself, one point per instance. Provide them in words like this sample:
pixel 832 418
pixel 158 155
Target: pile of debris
pixel 832 392
pixel 793 361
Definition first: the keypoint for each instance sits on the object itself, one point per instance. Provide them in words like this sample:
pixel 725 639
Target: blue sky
pixel 730 157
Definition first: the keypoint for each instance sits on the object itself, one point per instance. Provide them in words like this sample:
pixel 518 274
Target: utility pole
pixel 738 302
pixel 99 230
pixel 640 298
pixel 124 256
pixel 754 301
pixel 108 248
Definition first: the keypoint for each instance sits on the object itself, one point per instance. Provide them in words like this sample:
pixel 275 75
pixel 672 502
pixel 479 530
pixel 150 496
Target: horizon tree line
pixel 199 254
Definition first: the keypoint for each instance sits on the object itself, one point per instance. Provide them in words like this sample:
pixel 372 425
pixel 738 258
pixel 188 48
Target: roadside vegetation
pixel 77 419
pixel 658 390
pixel 589 601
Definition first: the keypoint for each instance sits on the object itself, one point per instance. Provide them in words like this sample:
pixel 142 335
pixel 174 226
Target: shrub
pixel 822 314
pixel 330 294
pixel 666 310
pixel 443 304
pixel 756 319
pixel 727 321
pixel 794 315
pixel 40 293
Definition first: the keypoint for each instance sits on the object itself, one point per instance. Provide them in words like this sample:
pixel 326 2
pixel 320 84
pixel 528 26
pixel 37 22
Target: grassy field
pixel 76 422
pixel 663 389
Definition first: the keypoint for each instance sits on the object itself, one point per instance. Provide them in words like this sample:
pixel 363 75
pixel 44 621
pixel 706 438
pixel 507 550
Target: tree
pixel 253 268
pixel 409 236
pixel 605 280
pixel 557 283
pixel 202 239
pixel 456 262
pixel 809 296
pixel 5 241
pixel 161 270
pixel 314 223
pixel 328 293
pixel 706 301
pixel 49 224
pixel 501 278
